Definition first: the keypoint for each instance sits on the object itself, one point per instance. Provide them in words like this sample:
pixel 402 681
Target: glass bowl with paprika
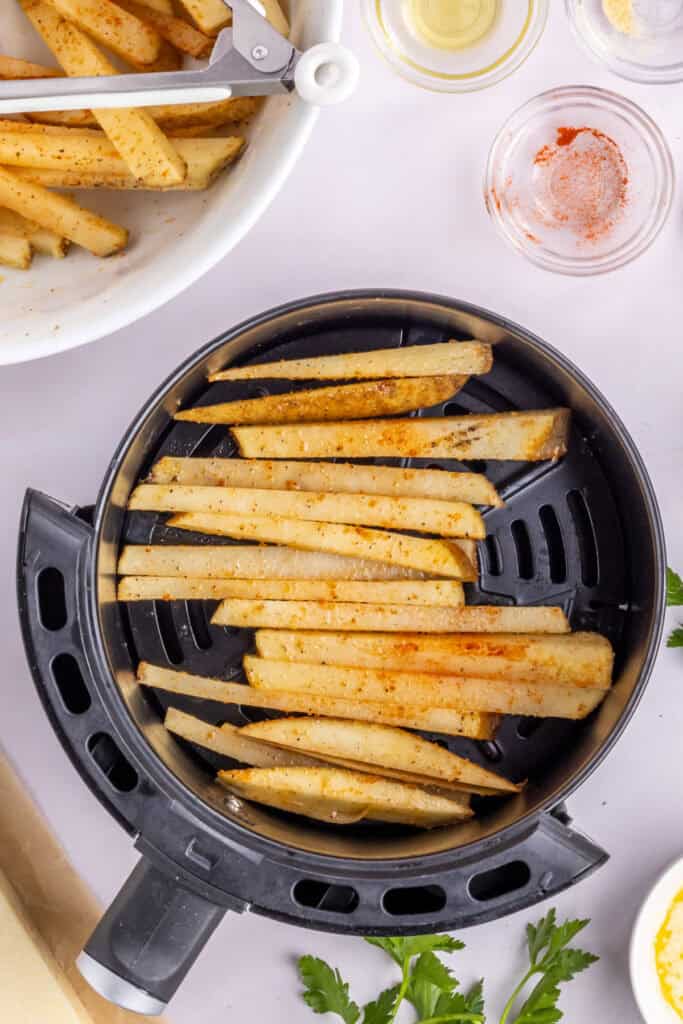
pixel 580 180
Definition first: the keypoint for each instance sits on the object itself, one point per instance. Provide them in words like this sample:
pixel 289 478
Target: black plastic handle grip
pixel 147 940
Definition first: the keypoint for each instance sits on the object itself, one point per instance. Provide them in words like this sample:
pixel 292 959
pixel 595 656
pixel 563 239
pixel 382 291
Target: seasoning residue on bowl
pixel 580 182
pixel 669 955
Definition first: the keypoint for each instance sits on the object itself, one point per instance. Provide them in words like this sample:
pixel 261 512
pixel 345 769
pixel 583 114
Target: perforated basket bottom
pixel 558 541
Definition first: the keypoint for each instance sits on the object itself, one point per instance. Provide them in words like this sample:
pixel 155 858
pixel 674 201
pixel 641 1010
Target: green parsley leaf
pixel 394 947
pixel 325 990
pixel 428 979
pixel 674 588
pixel 381 1011
pixel 676 638
pixel 402 949
pixel 538 936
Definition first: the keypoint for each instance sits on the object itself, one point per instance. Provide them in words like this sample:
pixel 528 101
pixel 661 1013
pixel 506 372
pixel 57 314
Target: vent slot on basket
pixel 494 559
pixel 490 885
pixel 111 763
pixel 69 680
pixel 167 632
pixel 52 599
pixel 557 562
pixel 523 550
pixel 411 901
pixel 336 899
pixel 585 537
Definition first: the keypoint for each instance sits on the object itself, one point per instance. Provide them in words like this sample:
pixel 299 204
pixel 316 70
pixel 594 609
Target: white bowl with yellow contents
pixel 656 956
pixel 175 237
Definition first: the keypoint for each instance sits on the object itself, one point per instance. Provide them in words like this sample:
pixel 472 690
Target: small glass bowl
pixel 516 28
pixel 579 180
pixel 650 50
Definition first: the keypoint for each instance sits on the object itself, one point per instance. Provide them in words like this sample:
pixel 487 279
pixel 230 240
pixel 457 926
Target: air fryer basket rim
pixel 161 774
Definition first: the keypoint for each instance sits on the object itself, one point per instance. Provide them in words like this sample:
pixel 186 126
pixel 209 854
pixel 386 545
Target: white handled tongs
pixel 249 59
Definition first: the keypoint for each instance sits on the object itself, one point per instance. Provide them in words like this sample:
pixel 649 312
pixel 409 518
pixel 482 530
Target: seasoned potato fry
pixel 84 151
pixel 229 741
pixel 446 518
pixel 429 592
pixel 148 154
pixel 528 436
pixel 170 118
pixel 165 6
pixel 210 15
pixel 380 747
pixel 438 691
pixel 445 720
pixel 61 215
pixel 447 358
pixel 206 158
pixel 41 239
pixel 341 477
pixel 576 659
pixel 276 16
pixel 340 796
pixel 15 252
pixel 436 557
pixel 344 402
pixel 12 68
pixel 114 27
pixel 238 561
pixel 394 618
pixel 174 30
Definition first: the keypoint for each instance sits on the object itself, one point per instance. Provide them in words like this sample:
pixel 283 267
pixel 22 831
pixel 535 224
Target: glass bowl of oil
pixel 455 45
pixel 641 40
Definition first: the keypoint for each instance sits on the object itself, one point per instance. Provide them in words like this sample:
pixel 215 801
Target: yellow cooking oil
pixel 669 955
pixel 452 24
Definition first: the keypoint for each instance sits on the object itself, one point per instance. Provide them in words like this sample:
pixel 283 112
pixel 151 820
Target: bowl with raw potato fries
pixel 373 583
pixel 238 154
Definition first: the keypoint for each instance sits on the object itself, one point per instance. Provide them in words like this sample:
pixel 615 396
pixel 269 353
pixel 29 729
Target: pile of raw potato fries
pixel 361 628
pixel 159 148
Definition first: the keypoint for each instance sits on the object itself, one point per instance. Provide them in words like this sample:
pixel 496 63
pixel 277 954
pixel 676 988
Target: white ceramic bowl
pixel 644 979
pixel 176 237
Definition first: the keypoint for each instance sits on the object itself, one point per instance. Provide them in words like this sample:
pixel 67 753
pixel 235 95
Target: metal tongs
pixel 249 59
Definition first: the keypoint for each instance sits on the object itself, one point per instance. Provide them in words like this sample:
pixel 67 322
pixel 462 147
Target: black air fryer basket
pixel 583 533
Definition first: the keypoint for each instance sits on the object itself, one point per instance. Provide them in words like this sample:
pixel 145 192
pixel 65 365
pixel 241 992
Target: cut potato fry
pixel 174 30
pixel 445 720
pixel 165 6
pixel 148 154
pixel 446 518
pixel 429 592
pixel 250 562
pixel 431 690
pixel 170 118
pixel 206 158
pixel 451 357
pixel 84 151
pixel 576 659
pixel 229 741
pixel 345 402
pixel 12 68
pixel 395 618
pixel 340 796
pixel 210 15
pixel 436 557
pixel 41 239
pixel 380 747
pixel 61 215
pixel 114 27
pixel 15 252
pixel 341 477
pixel 528 436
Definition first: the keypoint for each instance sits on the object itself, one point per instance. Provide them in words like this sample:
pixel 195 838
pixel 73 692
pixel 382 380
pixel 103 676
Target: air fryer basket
pixel 570 534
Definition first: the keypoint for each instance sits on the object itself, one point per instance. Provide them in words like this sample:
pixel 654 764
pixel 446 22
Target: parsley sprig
pixel 432 989
pixel 674 597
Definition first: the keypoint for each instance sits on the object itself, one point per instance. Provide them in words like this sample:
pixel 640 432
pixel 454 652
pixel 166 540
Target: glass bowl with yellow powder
pixel 656 953
pixel 638 39
pixel 455 45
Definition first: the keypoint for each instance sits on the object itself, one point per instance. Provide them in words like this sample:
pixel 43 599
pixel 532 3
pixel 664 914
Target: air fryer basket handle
pixel 147 940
